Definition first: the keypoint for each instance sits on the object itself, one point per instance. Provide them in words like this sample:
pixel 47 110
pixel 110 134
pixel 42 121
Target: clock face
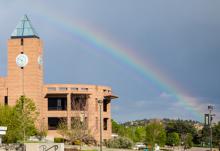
pixel 22 60
pixel 40 60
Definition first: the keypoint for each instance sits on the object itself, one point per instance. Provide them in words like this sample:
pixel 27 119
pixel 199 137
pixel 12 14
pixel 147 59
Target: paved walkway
pixel 192 149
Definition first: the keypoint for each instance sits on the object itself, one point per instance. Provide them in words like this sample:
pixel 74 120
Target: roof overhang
pixel 111 96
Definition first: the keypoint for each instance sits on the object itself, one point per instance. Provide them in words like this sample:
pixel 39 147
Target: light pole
pixel 210 108
pixel 100 102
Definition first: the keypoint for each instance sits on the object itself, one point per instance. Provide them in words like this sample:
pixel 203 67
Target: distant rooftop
pixel 24 29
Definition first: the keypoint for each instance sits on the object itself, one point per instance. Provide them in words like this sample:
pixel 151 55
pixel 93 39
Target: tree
pixel 115 127
pixel 120 142
pixel 19 120
pixel 155 134
pixel 78 132
pixel 9 118
pixel 180 127
pixel 135 133
pixel 173 139
pixel 42 130
pixel 27 111
pixel 187 140
pixel 216 134
pixel 140 134
pixel 205 133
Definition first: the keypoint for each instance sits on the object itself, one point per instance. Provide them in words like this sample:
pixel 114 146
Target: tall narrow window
pixel 6 100
pixel 105 123
pixel 96 123
pixel 105 105
pixel 22 41
pixel 96 105
pixel 86 122
pixel 58 102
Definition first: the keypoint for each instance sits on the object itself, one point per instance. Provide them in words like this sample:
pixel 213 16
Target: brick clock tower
pixel 25 69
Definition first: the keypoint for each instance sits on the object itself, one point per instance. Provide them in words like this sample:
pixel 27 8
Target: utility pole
pixel 100 102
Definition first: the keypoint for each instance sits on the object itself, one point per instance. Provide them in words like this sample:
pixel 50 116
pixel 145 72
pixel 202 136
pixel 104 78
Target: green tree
pixel 115 127
pixel 173 139
pixel 216 134
pixel 155 134
pixel 124 131
pixel 140 134
pixel 180 127
pixel 120 142
pixel 9 118
pixel 205 133
pixel 135 133
pixel 27 111
pixel 19 120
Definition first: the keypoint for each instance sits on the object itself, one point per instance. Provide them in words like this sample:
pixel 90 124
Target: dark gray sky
pixel 180 38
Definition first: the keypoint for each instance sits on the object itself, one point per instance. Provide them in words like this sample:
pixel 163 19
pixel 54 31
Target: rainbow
pixel 95 39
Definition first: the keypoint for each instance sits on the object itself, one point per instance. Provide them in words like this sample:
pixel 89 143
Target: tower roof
pixel 24 29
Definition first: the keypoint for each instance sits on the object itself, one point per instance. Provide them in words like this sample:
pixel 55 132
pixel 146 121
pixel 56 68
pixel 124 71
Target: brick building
pixel 54 101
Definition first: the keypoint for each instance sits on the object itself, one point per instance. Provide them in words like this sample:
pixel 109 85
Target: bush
pixel 89 140
pixel 77 142
pixel 59 140
pixel 120 142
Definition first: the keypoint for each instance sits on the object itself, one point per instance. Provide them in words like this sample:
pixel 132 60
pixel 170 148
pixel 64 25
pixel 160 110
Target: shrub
pixel 89 140
pixel 59 140
pixel 77 142
pixel 120 142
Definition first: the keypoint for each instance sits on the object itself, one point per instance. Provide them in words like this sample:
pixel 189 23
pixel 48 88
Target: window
pixel 53 122
pixel 86 122
pixel 96 123
pixel 105 105
pixel 74 89
pixel 51 88
pixel 57 104
pixel 22 41
pixel 105 123
pixel 63 88
pixel 75 121
pixel 96 105
pixel 6 100
pixel 79 102
pixel 79 123
pixel 84 89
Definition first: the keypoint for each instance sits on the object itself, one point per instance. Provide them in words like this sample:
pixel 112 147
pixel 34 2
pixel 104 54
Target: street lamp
pixel 210 118
pixel 100 102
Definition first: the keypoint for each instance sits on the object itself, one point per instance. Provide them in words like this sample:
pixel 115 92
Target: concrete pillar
pixel 69 110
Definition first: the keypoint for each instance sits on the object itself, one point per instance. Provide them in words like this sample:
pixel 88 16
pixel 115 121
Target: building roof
pixel 24 29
